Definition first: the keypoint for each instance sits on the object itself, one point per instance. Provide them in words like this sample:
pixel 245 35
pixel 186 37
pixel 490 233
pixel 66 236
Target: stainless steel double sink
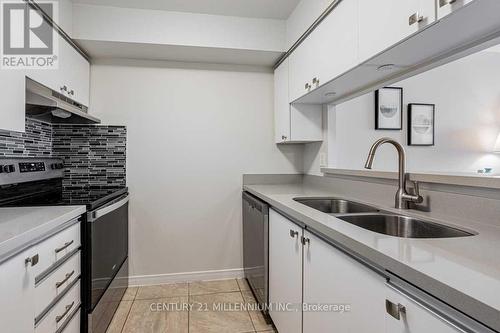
pixel 373 219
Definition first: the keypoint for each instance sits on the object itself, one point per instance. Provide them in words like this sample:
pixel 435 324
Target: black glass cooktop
pixel 51 192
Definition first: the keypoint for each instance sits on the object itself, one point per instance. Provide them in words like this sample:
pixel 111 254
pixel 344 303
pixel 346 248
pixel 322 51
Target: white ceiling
pixel 274 9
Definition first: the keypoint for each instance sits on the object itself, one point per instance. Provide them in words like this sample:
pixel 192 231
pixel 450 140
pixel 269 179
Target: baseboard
pixel 150 280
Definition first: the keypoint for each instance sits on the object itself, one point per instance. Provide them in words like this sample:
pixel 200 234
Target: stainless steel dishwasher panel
pixel 256 247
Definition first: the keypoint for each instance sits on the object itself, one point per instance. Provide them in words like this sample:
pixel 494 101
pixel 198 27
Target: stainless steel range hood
pixel 48 105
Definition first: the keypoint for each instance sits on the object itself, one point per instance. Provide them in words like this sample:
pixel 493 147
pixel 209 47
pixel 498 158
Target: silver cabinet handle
pixel 293 233
pixel 65 246
pixel 68 276
pixel 415 18
pixel 32 260
pixel 305 240
pixel 395 310
pixel 68 307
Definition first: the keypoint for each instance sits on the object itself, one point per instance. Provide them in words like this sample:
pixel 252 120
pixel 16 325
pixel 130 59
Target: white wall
pixel 467 98
pixel 131 25
pixel 316 153
pixel 192 133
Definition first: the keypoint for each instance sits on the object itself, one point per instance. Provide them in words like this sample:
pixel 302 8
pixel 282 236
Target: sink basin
pixel 402 226
pixel 336 206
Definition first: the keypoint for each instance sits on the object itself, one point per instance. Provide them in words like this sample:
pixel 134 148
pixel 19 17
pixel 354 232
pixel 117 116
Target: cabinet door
pixel 76 71
pixel 330 50
pixel 303 68
pixel 281 104
pixel 52 78
pixel 12 100
pixel 336 42
pixel 333 278
pixel 446 7
pixel 285 273
pixel 17 302
pixel 415 318
pixel 71 78
pixel 384 23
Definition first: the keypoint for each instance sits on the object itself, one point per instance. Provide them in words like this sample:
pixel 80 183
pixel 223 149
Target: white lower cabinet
pixel 333 278
pixel 62 313
pixel 337 293
pixel 17 291
pixel 285 273
pixel 40 287
pixel 412 317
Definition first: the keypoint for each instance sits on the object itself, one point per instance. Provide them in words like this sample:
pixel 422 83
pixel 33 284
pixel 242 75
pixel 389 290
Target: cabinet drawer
pixel 73 326
pixel 61 312
pixel 56 247
pixel 53 285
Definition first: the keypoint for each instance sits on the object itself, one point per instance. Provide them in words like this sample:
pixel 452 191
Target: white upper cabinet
pixel 298 123
pixel 285 272
pixel 72 78
pixel 404 315
pixel 445 7
pixel 383 23
pixel 12 97
pixel 330 50
pixel 281 104
pixel 331 277
pixel 76 76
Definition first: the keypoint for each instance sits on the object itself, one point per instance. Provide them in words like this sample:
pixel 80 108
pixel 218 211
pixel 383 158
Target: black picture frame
pixel 413 140
pixel 379 118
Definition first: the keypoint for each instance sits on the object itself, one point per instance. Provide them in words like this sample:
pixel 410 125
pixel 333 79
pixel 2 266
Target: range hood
pixel 48 105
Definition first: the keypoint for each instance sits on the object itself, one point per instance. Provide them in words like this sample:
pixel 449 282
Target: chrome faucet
pixel 402 196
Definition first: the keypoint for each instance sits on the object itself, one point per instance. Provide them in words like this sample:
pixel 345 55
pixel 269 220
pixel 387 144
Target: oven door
pixel 108 231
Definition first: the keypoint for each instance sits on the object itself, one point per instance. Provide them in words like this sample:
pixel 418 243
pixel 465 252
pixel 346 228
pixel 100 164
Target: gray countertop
pixel 463 272
pixel 23 227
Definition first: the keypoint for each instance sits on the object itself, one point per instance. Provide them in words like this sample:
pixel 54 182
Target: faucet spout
pixel 402 196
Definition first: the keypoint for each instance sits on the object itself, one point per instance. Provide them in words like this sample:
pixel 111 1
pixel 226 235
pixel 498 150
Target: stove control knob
pixel 8 168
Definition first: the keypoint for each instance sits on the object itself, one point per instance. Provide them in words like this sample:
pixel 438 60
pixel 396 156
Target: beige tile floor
pixel 134 314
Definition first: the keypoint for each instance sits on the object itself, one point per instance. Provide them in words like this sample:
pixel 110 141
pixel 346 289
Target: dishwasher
pixel 256 248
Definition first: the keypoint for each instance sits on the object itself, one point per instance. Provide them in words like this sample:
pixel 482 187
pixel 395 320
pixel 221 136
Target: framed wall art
pixel 389 108
pixel 421 124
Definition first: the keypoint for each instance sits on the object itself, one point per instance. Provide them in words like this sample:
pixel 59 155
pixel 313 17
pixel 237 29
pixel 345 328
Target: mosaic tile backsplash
pixel 94 156
pixel 35 142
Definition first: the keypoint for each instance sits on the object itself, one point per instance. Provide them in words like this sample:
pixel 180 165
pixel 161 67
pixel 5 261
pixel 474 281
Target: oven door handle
pixel 107 209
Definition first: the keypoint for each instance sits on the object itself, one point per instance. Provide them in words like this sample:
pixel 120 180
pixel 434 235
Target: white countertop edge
pixel 460 179
pixel 16 245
